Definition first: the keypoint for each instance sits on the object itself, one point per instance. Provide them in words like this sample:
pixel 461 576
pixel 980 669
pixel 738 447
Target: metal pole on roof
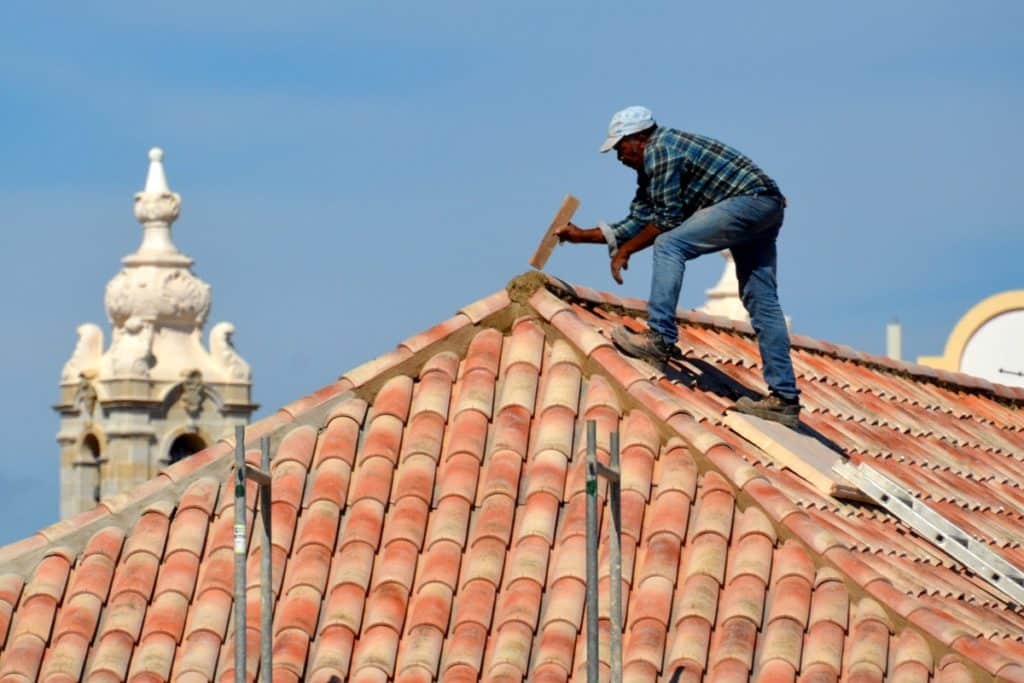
pixel 240 552
pixel 593 658
pixel 266 575
pixel 615 559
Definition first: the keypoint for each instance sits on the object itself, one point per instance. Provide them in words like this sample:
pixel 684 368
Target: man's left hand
pixel 620 262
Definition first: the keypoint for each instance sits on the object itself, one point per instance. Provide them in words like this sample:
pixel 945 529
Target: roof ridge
pixel 714 454
pixel 124 510
pixel 564 289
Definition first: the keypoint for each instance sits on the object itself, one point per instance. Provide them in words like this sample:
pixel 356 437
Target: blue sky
pixel 352 173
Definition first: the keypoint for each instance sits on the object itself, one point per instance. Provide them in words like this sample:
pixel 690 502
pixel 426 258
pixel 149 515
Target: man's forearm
pixel 642 239
pixel 590 236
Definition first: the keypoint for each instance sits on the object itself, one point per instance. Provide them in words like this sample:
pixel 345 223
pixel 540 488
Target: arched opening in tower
pixel 184 446
pixel 90 462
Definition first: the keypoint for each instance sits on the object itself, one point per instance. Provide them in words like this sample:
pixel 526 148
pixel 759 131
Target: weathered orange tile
pixel 511 430
pixel 528 559
pixel 458 476
pixel 706 554
pixel 651 599
pixel 517 387
pixel 578 332
pixel 830 602
pixel 554 431
pixel 561 382
pixel 332 653
pixel 467 435
pixel 419 654
pixel 433 392
pixel 823 646
pixel 669 513
pixel 431 606
pixel 167 615
pixel 689 648
pixel 340 438
pixel 153 658
pixel 729 670
pixel 407 520
pixel 474 603
pixel 424 436
pixel 660 557
pixel 645 642
pixel 675 470
pixel 112 653
pixel 464 647
pixel 556 645
pixel 510 656
pixel 790 599
pixel 500 476
pixel 783 641
pixel 178 573
pixel 775 671
pixel 65 659
pixel 475 391
pixel 343 607
pixel 733 639
pixel 743 597
pixel 386 607
pixel 397 564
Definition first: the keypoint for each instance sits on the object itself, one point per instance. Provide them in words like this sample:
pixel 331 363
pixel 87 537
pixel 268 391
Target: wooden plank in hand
pixel 548 242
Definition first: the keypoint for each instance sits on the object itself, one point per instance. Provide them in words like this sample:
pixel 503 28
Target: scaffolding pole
pixel 261 476
pixel 615 560
pixel 593 658
pixel 612 474
pixel 240 552
pixel 266 575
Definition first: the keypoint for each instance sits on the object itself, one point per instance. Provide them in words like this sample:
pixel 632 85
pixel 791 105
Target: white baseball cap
pixel 626 122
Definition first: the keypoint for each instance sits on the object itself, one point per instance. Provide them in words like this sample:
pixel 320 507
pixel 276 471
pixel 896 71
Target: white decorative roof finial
pixel 156 207
pixel 156 180
pixel 156 289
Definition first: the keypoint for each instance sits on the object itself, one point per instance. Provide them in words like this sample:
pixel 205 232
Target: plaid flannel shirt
pixel 684 173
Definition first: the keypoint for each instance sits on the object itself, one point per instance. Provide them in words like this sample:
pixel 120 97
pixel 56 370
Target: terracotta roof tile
pixel 430 524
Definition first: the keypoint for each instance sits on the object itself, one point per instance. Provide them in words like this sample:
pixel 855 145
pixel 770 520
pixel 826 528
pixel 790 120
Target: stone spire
pixel 156 384
pixel 724 297
pixel 156 207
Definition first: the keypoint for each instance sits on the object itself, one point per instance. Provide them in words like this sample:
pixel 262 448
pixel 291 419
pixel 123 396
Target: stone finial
pixel 156 179
pixel 156 207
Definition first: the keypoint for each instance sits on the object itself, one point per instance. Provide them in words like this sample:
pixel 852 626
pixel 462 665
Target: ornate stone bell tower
pixel 156 395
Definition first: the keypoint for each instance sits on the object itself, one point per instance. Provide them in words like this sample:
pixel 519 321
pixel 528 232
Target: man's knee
pixel 667 244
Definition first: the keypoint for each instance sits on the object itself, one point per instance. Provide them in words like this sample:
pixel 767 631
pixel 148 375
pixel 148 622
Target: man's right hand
pixel 569 233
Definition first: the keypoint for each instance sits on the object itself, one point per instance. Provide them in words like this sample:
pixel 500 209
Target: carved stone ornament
pixel 85 397
pixel 159 294
pixel 130 353
pixel 192 394
pixel 157 207
pixel 223 351
pixel 86 355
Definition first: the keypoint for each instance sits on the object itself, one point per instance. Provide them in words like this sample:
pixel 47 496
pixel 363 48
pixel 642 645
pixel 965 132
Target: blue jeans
pixel 749 227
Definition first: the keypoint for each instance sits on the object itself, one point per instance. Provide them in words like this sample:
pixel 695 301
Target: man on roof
pixel 695 196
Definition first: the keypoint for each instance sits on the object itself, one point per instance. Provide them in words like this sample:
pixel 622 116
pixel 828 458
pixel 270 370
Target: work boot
pixel 773 407
pixel 649 346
